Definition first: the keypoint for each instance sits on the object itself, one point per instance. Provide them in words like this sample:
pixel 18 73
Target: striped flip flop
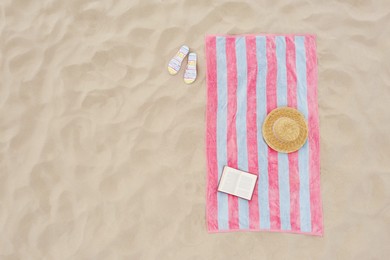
pixel 190 73
pixel 175 63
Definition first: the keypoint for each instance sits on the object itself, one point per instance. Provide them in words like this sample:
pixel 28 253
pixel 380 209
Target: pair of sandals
pixel 175 64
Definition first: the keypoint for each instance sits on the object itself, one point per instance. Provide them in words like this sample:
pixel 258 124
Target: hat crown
pixel 286 129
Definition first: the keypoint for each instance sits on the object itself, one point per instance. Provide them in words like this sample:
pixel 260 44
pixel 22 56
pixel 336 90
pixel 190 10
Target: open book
pixel 237 183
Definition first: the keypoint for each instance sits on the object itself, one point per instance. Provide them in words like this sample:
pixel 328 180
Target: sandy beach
pixel 102 152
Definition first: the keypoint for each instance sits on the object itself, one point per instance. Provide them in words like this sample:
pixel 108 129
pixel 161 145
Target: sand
pixel 102 152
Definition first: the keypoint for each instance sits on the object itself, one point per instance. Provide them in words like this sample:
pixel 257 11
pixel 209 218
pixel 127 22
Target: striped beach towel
pixel 247 77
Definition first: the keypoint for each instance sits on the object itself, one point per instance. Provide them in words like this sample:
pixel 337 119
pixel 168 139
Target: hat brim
pixel 277 144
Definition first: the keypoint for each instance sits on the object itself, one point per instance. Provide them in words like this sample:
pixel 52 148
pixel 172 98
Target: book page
pixel 245 185
pixel 229 181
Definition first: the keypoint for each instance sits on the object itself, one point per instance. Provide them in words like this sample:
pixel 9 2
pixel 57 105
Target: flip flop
pixel 175 63
pixel 190 73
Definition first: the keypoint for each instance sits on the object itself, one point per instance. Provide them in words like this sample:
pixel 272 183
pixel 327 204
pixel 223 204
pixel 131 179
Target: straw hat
pixel 285 129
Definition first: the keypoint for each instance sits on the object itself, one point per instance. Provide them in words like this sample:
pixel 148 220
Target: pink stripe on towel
pixel 272 154
pixel 252 127
pixel 231 123
pixel 211 114
pixel 314 168
pixel 292 157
